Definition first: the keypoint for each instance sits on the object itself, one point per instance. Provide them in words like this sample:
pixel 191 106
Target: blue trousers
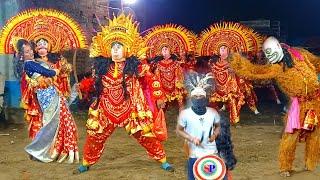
pixel 190 164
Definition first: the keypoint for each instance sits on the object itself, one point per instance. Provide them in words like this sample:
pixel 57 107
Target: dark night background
pixel 300 18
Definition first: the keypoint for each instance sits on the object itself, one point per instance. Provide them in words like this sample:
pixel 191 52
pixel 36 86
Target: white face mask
pixel 42 47
pixel 272 49
pixel 224 52
pixel 117 52
pixel 165 51
pixel 42 44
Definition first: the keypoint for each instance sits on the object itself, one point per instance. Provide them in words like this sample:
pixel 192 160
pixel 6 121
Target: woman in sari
pixel 57 137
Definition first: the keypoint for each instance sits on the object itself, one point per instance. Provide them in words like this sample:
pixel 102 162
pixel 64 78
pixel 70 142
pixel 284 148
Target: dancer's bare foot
pixel 285 174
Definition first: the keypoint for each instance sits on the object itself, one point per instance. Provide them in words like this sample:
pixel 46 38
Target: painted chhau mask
pixel 272 50
pixel 42 43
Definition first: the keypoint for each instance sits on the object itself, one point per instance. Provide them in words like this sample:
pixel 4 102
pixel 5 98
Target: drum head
pixel 209 168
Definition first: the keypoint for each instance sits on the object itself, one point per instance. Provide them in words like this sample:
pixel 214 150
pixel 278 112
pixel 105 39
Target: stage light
pixel 129 1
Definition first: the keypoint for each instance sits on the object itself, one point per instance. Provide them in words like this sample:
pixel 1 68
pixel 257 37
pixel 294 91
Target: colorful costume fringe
pixel 299 82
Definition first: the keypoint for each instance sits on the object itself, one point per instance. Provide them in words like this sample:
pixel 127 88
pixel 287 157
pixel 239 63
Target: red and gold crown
pixel 177 38
pixel 120 29
pixel 255 39
pixel 232 35
pixel 60 30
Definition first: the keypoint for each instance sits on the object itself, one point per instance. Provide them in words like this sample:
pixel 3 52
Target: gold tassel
pixel 115 74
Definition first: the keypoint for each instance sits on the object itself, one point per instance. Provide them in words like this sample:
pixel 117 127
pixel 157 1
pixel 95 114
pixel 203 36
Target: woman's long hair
pixel 52 57
pixel 18 60
pixel 287 59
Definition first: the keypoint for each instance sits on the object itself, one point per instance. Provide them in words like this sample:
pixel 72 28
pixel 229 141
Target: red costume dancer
pixel 219 40
pixel 54 31
pixel 189 62
pixel 121 101
pixel 51 125
pixel 165 43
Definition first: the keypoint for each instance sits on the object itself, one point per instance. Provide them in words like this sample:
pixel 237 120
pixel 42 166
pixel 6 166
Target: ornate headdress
pixel 198 84
pixel 256 39
pixel 232 35
pixel 120 29
pixel 177 38
pixel 60 30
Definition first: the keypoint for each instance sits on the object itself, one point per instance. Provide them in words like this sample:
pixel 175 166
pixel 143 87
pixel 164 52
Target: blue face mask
pixel 199 105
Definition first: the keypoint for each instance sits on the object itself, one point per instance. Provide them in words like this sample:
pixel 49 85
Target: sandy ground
pixel 256 147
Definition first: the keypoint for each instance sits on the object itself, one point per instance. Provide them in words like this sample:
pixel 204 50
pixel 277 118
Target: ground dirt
pixel 256 147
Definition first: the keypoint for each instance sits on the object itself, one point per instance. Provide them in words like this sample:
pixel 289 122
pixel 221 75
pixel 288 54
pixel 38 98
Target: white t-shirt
pixel 200 126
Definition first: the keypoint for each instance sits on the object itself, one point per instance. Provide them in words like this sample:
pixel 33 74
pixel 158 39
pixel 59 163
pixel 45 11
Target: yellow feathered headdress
pixel 120 29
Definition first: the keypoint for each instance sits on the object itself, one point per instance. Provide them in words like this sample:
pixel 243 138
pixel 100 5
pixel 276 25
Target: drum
pixel 209 167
